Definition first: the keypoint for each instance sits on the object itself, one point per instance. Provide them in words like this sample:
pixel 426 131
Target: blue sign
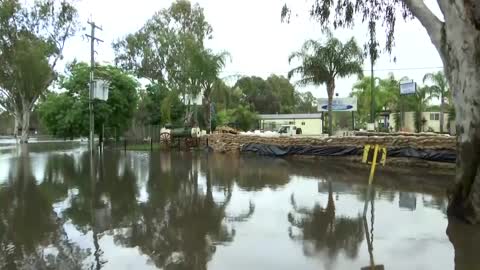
pixel 338 104
pixel 408 88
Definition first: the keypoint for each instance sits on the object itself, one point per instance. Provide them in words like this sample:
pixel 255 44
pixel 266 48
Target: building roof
pixel 290 116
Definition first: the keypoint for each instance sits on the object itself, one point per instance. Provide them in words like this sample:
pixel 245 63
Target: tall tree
pixel 166 50
pixel 208 68
pixel 438 89
pixel 258 95
pixel 421 99
pixel 32 38
pixel 322 63
pixel 386 95
pixel 456 37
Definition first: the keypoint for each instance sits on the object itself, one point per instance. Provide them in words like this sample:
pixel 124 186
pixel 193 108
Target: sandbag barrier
pixel 437 155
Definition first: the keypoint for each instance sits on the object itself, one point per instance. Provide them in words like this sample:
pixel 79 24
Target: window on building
pixel 434 116
pixel 303 123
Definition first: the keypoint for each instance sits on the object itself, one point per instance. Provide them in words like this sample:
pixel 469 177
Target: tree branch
pixel 431 23
pixel 443 4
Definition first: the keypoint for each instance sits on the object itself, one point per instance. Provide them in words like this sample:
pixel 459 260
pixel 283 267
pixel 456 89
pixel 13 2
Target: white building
pixel 431 121
pixel 310 123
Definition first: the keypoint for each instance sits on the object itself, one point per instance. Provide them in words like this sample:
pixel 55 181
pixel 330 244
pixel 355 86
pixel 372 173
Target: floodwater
pixel 60 209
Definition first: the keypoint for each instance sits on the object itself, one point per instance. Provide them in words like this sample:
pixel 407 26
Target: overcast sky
pixel 251 31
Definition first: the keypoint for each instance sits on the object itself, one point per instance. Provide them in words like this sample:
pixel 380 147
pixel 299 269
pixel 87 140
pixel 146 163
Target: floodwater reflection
pixel 63 209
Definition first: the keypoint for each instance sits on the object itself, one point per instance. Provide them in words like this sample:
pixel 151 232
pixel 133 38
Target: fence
pixel 147 138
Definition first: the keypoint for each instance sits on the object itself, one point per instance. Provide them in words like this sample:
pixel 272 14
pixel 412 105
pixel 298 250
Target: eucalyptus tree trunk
pixel 25 125
pixel 330 92
pixel 17 122
pixel 462 59
pixel 457 39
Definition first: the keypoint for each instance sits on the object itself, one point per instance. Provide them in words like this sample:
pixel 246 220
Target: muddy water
pixel 62 209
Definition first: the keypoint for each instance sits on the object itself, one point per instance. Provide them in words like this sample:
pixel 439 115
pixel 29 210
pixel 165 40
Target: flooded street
pixel 140 210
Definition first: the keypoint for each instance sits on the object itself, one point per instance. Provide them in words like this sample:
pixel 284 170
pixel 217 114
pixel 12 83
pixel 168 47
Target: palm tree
pixel 322 63
pixel 421 98
pixel 438 89
pixel 211 65
pixel 386 95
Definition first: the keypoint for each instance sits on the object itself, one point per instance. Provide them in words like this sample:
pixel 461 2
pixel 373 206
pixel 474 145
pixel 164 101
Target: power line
pixel 410 68
pixel 239 73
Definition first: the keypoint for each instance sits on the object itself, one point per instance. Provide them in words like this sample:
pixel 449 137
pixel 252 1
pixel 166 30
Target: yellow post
pixel 374 163
pixel 370 179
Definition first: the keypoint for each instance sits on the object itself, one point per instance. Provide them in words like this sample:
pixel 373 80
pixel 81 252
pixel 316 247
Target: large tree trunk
pixel 17 123
pixel 330 92
pixel 25 125
pixel 15 126
pixel 461 56
pixel 457 39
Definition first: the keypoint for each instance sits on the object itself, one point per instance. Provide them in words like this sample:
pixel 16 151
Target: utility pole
pixel 373 57
pixel 93 39
pixel 372 86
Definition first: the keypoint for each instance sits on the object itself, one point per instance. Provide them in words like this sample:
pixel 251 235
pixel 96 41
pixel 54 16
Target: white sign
pixel 338 104
pixel 100 89
pixel 408 88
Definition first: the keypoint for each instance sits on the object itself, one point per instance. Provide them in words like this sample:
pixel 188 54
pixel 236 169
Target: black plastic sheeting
pixel 407 152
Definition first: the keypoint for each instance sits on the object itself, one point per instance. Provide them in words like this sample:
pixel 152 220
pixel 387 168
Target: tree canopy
pixel 274 95
pixel 66 114
pixel 165 49
pixel 32 38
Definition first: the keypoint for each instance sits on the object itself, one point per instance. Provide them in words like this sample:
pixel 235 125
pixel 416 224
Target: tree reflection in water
pixel 321 230
pixel 180 224
pixel 28 223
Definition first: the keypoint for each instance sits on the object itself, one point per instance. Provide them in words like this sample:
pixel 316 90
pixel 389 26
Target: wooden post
pixel 151 143
pixel 125 144
pixel 353 121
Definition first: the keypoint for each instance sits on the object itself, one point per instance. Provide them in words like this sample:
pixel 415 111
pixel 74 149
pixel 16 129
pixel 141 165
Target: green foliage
pixel 66 114
pixel 274 95
pixel 305 102
pixel 322 63
pixel 244 118
pixel 160 106
pixel 386 94
pixel 167 48
pixel 439 89
pixel 63 115
pixel 169 51
pixel 225 118
pixel 420 99
pixel 32 38
pixel 283 91
pixel 225 97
